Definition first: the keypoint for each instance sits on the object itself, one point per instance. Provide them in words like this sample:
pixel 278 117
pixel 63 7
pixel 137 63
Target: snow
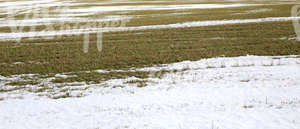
pixel 205 23
pixel 250 92
pixel 254 11
pixel 58 20
pixel 18 63
pixel 61 76
pixel 102 9
pixel 23 3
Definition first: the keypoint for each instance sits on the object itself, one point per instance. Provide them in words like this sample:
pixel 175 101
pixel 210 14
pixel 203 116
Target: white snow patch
pixel 58 20
pixel 255 11
pixel 61 76
pixel 99 9
pixel 23 3
pixel 18 63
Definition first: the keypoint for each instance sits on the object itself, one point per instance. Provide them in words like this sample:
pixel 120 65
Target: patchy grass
pixel 95 77
pixel 157 17
pixel 12 89
pixel 22 83
pixel 138 83
pixel 63 95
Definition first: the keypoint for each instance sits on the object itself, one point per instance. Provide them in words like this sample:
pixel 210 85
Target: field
pixel 160 64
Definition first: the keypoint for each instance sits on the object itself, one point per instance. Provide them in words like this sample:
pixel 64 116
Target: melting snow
pixel 255 11
pixel 155 7
pixel 249 92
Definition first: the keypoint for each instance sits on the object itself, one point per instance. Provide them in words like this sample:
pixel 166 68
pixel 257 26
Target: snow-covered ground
pixel 250 92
